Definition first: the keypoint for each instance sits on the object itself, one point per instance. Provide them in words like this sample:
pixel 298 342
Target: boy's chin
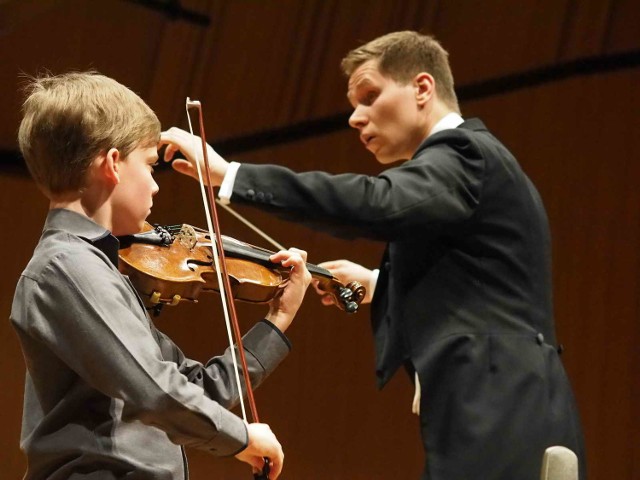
pixel 130 229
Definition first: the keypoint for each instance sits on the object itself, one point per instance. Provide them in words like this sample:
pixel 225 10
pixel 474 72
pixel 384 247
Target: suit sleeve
pixel 438 188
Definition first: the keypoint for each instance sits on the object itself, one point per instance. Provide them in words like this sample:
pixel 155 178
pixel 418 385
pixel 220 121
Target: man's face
pixel 133 195
pixel 386 114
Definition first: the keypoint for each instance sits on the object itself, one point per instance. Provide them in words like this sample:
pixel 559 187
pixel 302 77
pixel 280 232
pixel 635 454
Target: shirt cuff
pixel 279 332
pixel 226 187
pixel 374 280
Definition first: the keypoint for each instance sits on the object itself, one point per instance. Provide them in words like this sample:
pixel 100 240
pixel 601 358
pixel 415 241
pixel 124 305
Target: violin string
pixel 218 270
pixel 250 225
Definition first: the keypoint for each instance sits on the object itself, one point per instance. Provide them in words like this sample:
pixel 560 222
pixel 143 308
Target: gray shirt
pixel 107 395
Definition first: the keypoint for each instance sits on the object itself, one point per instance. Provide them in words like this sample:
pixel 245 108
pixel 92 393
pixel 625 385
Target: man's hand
pixel 262 443
pixel 176 140
pixel 346 272
pixel 284 306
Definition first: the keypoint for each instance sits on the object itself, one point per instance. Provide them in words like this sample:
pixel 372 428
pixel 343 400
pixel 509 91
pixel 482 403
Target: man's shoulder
pixel 468 140
pixel 448 142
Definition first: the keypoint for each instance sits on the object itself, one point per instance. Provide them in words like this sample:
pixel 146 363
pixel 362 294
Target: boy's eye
pixel 369 98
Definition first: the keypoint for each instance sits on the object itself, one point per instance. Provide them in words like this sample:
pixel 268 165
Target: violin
pixel 170 264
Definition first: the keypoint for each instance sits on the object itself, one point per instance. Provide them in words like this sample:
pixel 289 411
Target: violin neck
pixel 261 256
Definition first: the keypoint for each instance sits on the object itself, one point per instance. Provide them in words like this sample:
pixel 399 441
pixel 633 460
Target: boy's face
pixel 386 113
pixel 132 197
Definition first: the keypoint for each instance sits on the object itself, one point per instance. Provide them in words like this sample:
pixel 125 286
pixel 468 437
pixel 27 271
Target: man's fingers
pixel 182 166
pixel 327 300
pixel 275 468
pixel 169 152
pixel 331 264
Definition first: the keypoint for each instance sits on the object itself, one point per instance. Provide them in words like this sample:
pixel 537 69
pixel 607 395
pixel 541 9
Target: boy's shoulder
pixel 73 243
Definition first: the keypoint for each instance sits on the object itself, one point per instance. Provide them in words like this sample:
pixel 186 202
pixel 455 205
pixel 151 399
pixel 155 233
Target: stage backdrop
pixel 557 81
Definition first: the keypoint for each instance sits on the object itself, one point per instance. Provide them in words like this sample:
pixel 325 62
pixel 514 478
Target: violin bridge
pixel 187 236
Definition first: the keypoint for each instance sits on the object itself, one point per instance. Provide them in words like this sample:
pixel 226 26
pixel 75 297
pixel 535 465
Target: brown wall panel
pixel 267 64
pixel 322 402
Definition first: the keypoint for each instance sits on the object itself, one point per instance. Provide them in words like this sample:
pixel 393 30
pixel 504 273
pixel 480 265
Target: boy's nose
pixel 357 119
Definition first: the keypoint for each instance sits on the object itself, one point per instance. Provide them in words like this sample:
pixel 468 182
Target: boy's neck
pixel 98 215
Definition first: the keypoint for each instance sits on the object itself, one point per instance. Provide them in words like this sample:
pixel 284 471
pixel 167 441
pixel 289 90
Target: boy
pixel 107 395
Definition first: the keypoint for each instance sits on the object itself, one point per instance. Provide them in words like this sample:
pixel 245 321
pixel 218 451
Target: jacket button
pixel 540 339
pixel 268 197
pixel 260 196
pixel 250 193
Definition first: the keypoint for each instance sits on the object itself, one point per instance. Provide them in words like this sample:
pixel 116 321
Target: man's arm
pixel 439 187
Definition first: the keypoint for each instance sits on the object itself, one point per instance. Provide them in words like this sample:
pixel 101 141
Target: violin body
pixel 171 264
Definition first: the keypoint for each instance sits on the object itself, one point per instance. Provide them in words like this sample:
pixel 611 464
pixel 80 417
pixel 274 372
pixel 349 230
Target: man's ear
pixel 425 87
pixel 110 164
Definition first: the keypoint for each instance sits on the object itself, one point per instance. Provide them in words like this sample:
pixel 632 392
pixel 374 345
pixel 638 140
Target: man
pixel 463 298
pixel 107 395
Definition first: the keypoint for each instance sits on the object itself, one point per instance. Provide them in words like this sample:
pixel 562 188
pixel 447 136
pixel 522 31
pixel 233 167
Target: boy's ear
pixel 110 165
pixel 425 87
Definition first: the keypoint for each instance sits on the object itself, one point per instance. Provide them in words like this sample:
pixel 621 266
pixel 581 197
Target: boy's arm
pixel 265 344
pixel 265 347
pixel 90 317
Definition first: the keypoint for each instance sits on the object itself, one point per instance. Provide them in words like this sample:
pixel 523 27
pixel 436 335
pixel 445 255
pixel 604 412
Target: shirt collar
pixel 85 228
pixel 450 120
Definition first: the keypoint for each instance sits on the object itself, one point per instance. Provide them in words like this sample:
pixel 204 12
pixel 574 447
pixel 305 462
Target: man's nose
pixel 357 118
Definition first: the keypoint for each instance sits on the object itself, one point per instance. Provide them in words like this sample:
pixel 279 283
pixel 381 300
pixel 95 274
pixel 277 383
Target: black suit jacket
pixel 463 296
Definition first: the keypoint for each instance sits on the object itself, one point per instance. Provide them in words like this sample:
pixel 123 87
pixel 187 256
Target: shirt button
pixel 540 339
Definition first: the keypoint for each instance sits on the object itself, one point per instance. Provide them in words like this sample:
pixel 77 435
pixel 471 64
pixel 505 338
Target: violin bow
pixel 226 294
pixel 250 225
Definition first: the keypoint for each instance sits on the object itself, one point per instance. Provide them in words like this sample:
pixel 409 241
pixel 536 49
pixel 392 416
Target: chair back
pixel 559 463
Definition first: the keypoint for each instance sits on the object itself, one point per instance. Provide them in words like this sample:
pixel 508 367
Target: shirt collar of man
pixel 85 228
pixel 450 120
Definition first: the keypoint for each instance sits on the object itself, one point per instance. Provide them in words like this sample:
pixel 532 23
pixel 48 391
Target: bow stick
pixel 231 317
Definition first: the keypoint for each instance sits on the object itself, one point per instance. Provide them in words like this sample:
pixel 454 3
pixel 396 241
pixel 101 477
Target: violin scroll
pixel 346 297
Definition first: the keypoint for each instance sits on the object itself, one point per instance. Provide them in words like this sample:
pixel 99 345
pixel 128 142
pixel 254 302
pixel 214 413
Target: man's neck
pixel 449 121
pixel 440 110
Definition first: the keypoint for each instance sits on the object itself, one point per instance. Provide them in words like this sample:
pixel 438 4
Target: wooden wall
pixel 273 64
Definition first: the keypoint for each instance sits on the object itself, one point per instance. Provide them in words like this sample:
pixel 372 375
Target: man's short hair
pixel 69 119
pixel 403 55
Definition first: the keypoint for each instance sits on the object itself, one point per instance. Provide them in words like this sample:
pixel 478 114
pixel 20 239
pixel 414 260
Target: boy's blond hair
pixel 403 55
pixel 69 119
